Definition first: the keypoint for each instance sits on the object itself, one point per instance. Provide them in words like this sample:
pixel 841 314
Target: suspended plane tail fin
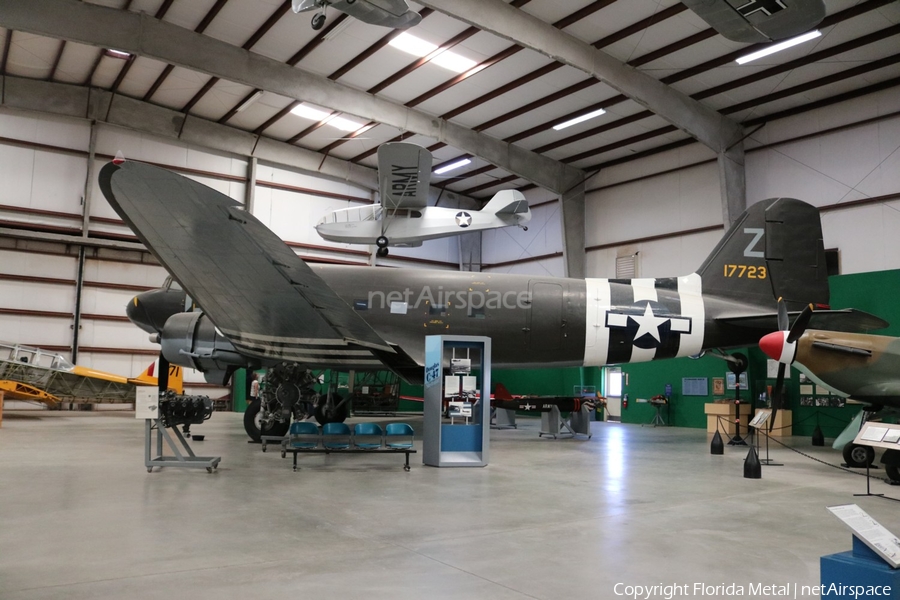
pixel 509 205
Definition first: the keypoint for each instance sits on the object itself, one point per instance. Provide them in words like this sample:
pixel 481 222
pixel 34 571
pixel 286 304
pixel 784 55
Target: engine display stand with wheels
pixel 191 409
pixel 185 459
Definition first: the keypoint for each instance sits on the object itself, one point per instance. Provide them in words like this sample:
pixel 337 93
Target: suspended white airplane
pixel 395 14
pixel 404 218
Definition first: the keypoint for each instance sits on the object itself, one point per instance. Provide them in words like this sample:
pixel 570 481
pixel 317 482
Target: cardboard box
pixel 721 417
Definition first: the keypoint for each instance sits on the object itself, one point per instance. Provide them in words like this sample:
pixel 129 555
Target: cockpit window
pixel 171 284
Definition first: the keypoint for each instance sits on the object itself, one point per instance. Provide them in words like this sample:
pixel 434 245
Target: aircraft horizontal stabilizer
pixel 259 294
pixel 847 320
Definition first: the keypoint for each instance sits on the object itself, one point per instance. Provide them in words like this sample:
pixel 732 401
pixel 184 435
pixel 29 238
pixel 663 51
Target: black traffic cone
pixel 818 439
pixel 717 446
pixel 752 467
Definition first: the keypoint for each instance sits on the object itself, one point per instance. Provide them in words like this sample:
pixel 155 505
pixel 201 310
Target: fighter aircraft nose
pixel 776 347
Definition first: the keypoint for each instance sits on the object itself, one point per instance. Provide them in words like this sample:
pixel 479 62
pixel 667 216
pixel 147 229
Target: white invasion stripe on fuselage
pixel 644 289
pixel 596 334
pixel 690 290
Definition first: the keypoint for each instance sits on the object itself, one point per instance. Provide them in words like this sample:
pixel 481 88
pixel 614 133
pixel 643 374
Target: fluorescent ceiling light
pixel 779 46
pixel 345 124
pixel 250 100
pixel 117 54
pixel 308 112
pixel 451 166
pixel 580 119
pixel 453 62
pixel 412 45
pixel 419 47
pixel 316 114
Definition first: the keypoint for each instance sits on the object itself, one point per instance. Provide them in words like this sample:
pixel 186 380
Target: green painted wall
pixel 239 391
pixel 645 380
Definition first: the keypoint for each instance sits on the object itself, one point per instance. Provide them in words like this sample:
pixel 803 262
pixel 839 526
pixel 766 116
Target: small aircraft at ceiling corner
pixel 394 14
pixel 404 218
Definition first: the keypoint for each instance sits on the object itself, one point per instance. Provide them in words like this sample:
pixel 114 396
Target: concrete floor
pixel 81 518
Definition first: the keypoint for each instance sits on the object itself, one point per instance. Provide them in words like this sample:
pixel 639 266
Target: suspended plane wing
pixel 394 14
pixel 260 295
pixel 755 21
pixel 404 175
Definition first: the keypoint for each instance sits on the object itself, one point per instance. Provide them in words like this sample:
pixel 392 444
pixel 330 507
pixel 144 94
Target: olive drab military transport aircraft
pixel 264 307
pixel 755 21
pixel 861 367
pixel 404 218
pixel 394 14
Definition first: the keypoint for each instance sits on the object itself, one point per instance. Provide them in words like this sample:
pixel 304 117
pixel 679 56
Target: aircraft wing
pixel 404 175
pixel 260 294
pixel 754 21
pixel 395 14
pixel 847 320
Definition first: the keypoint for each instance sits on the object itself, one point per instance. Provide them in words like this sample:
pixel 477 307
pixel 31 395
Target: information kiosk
pixel 457 401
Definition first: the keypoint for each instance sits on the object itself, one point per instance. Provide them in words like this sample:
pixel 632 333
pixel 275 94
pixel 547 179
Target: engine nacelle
pixel 191 340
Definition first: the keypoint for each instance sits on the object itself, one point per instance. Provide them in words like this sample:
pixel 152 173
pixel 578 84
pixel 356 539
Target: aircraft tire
pixel 251 423
pixel 381 241
pixel 893 473
pixel 857 456
pixel 318 21
pixel 334 415
pixel 740 366
pixel 381 252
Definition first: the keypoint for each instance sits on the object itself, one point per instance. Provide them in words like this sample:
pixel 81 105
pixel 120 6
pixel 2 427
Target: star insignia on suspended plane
pixel 649 321
pixel 463 219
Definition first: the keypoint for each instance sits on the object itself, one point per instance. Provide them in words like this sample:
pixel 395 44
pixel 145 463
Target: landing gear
pixel 893 473
pixel 382 242
pixel 256 427
pixel 333 410
pixel 318 21
pixel 857 456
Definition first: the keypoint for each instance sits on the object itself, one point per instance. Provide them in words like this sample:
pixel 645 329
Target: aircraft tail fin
pixel 501 393
pixel 774 250
pixel 149 377
pixel 507 202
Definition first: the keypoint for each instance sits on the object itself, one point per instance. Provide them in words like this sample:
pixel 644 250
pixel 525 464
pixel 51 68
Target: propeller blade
pixel 800 324
pixel 783 323
pixel 777 394
pixel 162 376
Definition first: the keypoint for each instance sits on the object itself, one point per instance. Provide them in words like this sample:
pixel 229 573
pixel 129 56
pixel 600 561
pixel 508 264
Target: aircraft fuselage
pixel 539 321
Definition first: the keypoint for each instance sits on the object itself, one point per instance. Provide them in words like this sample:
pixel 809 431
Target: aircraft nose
pixel 773 344
pixel 137 314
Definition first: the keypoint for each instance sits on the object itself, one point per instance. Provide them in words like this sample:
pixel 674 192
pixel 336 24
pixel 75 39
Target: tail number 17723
pixel 748 271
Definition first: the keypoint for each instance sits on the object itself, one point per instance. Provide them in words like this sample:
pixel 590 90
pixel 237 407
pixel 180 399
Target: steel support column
pixel 571 203
pixel 732 183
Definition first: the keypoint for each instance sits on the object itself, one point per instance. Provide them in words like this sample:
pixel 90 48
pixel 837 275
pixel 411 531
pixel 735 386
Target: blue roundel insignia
pixel 463 219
